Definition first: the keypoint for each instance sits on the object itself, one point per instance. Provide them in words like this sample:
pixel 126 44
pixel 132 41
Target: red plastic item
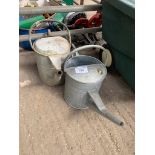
pixel 95 21
pixel 81 22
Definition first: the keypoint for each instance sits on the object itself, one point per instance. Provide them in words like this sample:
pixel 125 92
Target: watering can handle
pixel 86 47
pixel 46 20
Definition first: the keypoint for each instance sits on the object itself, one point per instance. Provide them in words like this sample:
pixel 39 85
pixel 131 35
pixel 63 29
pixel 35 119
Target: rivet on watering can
pixel 99 71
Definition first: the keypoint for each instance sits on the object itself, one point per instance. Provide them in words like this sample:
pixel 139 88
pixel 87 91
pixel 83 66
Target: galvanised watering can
pixel 83 80
pixel 50 55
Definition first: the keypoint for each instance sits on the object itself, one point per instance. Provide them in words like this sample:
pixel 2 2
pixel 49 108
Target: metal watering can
pixel 83 79
pixel 50 55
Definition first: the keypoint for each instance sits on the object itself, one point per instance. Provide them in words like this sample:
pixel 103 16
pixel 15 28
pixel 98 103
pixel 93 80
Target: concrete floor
pixel 48 126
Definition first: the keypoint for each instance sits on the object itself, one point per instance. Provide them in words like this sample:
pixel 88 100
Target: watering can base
pixel 80 107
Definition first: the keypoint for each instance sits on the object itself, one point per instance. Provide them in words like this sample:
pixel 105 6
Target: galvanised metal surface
pixel 47 72
pixel 77 85
pixel 61 33
pixel 50 54
pixel 56 9
pixel 49 67
pixel 83 79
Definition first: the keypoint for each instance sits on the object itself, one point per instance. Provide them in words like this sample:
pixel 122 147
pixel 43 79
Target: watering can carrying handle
pixel 75 51
pixel 41 21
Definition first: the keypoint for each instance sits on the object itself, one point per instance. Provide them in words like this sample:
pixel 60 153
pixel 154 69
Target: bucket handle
pixel 39 22
pixel 75 51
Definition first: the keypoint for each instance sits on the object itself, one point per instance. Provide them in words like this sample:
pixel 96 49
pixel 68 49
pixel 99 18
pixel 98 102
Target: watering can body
pixel 50 54
pixel 86 78
pixel 49 67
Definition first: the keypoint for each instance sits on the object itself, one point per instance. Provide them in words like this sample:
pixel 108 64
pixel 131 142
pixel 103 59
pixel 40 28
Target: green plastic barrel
pixel 27 23
pixel 119 32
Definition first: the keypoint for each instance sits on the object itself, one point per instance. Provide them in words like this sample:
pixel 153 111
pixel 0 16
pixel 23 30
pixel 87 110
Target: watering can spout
pixel 103 110
pixel 56 62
